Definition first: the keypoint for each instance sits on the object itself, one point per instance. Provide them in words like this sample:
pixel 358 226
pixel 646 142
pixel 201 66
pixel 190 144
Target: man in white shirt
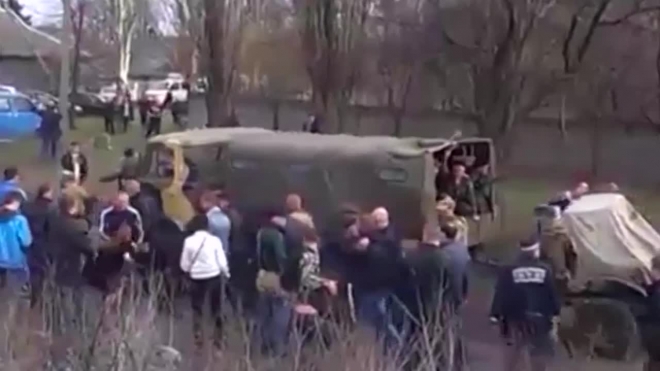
pixel 204 260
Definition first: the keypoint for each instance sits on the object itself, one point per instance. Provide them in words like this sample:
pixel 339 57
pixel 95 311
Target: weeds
pixel 68 331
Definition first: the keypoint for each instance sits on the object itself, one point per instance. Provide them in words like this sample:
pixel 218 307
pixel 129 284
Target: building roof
pixel 20 40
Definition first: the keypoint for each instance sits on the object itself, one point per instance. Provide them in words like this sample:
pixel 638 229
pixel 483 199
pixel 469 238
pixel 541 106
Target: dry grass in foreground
pixel 139 337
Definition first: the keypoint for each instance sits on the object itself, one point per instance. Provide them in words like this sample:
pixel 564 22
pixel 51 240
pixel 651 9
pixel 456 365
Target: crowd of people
pixel 278 265
pixel 150 112
pixel 297 270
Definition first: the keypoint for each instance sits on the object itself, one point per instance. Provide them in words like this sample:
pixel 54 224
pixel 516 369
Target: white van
pixel 157 90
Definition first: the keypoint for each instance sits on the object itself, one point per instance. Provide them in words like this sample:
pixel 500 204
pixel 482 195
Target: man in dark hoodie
pixel 379 278
pixel 40 214
pixel 425 287
pixel 68 247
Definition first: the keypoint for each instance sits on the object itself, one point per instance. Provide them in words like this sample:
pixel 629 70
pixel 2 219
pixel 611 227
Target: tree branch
pixel 626 17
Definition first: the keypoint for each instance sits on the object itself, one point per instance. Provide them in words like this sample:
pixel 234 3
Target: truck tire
pixel 600 327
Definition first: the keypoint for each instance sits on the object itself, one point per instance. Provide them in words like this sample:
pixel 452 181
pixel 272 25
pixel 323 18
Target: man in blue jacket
pixel 11 183
pixel 15 239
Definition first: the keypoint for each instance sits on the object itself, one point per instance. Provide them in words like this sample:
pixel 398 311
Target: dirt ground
pixel 516 197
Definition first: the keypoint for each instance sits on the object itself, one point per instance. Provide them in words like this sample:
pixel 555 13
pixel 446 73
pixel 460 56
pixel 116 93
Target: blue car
pixel 18 116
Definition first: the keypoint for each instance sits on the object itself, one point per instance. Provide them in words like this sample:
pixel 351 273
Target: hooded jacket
pixel 8 186
pixel 15 239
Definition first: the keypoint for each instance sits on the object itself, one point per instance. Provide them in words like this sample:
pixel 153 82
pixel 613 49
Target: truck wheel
pixel 600 327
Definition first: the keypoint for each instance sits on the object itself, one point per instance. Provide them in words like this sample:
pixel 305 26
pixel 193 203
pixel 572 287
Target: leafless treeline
pixel 497 61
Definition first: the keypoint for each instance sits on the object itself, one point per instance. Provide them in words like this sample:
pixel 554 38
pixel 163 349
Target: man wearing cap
pixel 526 305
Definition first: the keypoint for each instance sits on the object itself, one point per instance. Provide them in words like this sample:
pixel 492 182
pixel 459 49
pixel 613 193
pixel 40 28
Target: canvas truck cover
pixel 611 239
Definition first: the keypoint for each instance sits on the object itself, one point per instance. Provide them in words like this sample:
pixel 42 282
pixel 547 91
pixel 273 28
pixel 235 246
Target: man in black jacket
pixel 74 163
pixel 526 305
pixel 68 246
pixel 40 214
pixel 145 204
pixel 426 294
pixel 50 132
pixel 378 279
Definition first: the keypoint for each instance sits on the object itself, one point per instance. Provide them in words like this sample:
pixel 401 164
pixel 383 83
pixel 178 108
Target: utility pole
pixel 214 32
pixel 65 62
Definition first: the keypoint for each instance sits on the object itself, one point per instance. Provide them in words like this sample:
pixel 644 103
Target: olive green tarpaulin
pixel 259 167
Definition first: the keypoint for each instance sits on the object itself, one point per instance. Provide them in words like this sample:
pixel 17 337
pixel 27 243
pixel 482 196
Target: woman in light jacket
pixel 204 261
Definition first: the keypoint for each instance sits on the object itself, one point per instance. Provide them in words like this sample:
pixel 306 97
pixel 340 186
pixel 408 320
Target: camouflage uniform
pixel 556 248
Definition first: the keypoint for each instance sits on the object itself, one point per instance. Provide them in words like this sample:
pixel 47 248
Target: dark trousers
pixel 49 146
pixel 125 121
pixel 109 124
pixel 153 128
pixel 143 117
pixel 202 291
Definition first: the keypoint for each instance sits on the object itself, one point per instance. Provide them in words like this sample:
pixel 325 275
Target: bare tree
pixel 188 18
pixel 78 14
pixel 400 57
pixel 126 17
pixel 224 26
pixel 332 34
pixel 65 66
pixel 508 51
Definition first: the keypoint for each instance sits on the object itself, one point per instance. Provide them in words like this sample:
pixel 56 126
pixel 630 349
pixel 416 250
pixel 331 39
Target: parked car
pixel 156 91
pixel 18 116
pixel 90 104
pixel 108 93
pixel 41 98
pixel 8 89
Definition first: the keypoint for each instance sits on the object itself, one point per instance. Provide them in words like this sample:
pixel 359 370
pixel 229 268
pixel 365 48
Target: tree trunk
pixel 275 106
pixel 397 117
pixel 596 145
pixel 126 27
pixel 75 73
pixel 327 109
pixel 214 30
pixel 65 65
pixel 499 128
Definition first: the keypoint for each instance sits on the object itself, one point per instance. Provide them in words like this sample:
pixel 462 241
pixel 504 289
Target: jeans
pixel 210 289
pixel 374 309
pixel 109 123
pixel 274 320
pixel 16 282
pixel 153 127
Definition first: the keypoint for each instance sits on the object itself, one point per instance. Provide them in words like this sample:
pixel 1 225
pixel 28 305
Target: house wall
pixel 25 74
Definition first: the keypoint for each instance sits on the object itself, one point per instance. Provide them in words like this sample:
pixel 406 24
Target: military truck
pixel 258 167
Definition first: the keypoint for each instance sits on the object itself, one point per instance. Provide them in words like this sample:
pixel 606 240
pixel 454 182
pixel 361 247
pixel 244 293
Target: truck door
pixel 171 171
